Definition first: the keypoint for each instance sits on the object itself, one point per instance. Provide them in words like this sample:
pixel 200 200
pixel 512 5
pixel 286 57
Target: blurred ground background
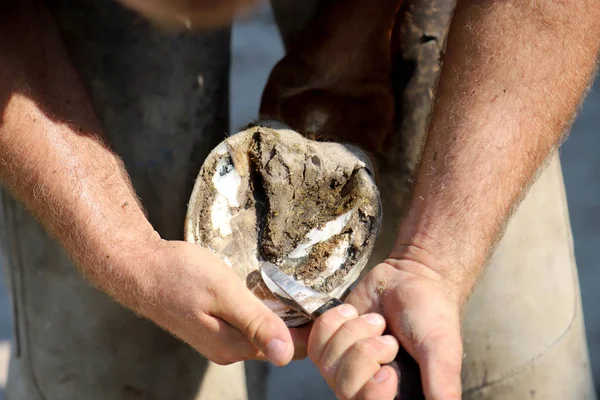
pixel 256 47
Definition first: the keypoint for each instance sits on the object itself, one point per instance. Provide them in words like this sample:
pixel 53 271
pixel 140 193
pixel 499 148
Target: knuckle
pixel 365 352
pixel 355 327
pixel 327 365
pixel 329 368
pixel 345 378
pixel 253 327
pixel 329 322
pixel 322 330
pixel 344 388
pixel 365 348
pixel 328 371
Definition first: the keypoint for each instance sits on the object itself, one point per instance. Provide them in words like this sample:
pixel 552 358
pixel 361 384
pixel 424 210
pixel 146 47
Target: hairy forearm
pixel 513 77
pixel 53 160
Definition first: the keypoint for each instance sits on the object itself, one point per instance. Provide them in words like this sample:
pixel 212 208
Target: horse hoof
pixel 268 193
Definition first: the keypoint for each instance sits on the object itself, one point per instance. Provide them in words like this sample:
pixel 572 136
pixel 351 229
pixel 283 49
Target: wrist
pixel 420 257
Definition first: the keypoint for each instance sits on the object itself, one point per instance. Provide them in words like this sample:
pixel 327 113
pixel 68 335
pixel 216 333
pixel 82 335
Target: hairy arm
pixel 52 156
pixel 513 77
pixel 53 160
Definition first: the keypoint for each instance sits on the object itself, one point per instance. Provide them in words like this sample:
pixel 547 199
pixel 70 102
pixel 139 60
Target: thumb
pixel 440 359
pixel 431 333
pixel 263 328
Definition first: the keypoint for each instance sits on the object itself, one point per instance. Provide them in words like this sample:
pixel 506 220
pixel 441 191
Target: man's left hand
pixel 422 310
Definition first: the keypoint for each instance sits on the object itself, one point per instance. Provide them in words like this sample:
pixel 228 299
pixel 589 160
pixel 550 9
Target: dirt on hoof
pixel 269 194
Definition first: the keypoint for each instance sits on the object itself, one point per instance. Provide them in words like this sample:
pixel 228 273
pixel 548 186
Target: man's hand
pixel 423 312
pixel 193 294
pixel 52 158
pixel 350 351
pixel 503 102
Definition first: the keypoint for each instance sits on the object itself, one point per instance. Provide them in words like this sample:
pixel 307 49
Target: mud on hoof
pixel 312 208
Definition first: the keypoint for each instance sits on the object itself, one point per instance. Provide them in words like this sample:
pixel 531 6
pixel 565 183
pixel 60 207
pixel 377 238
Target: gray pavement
pixel 256 48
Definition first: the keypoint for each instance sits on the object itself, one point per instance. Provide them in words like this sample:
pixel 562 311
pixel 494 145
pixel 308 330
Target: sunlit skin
pixel 502 105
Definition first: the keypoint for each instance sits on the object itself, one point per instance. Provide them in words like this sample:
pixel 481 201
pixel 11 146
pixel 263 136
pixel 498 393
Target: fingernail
pixel 387 340
pixel 374 319
pixel 382 375
pixel 347 311
pixel 276 350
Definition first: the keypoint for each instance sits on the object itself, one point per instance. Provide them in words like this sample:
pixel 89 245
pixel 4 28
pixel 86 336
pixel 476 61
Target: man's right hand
pixel 193 294
pixel 52 160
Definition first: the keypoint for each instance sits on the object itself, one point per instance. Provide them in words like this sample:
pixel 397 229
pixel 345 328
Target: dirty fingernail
pixel 382 375
pixel 374 319
pixel 276 350
pixel 347 311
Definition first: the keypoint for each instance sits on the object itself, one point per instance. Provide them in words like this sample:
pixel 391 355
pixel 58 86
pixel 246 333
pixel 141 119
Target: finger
pixel 228 344
pixel 366 326
pixel 325 327
pixel 383 386
pixel 361 362
pixel 234 303
pixel 440 358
